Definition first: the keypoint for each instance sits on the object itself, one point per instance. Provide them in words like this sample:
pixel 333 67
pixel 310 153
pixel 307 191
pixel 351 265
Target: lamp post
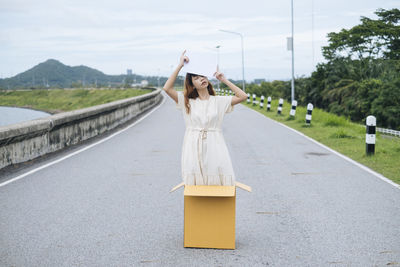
pixel 218 46
pixel 292 56
pixel 241 37
pixel 158 77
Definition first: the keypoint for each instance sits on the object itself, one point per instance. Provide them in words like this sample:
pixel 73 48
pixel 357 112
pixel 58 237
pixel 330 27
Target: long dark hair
pixel 190 92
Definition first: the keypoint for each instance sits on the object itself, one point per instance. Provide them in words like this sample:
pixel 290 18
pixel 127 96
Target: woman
pixel 205 158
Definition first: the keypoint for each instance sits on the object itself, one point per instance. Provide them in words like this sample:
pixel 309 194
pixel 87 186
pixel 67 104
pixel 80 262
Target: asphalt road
pixel 110 204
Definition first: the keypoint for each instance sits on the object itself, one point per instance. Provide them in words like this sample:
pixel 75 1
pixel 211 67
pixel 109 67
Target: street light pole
pixel 241 37
pixel 218 46
pixel 158 78
pixel 292 95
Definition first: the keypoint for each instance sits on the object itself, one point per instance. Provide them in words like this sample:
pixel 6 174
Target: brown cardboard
pixel 209 215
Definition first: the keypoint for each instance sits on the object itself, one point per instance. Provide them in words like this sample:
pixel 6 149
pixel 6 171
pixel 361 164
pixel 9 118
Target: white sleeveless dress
pixel 205 157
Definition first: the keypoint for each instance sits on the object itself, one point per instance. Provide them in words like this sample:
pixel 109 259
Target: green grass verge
pixel 59 100
pixel 341 135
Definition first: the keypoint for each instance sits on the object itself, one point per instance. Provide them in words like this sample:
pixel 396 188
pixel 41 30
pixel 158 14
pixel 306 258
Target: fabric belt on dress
pixel 201 137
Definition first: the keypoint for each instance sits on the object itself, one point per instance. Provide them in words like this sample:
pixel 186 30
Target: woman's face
pixel 200 82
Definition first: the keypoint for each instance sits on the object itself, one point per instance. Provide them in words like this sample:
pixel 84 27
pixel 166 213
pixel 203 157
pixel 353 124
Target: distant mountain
pixel 53 74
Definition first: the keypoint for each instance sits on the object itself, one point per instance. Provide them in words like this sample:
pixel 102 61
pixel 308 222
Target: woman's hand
pixel 184 59
pixel 220 76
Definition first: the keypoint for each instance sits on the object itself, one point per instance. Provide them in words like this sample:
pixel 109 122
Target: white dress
pixel 205 157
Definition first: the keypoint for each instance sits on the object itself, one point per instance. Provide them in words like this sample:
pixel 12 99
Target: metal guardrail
pixel 388 131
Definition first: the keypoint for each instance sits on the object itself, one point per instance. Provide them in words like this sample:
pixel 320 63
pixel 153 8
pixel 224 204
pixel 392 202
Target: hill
pixel 52 73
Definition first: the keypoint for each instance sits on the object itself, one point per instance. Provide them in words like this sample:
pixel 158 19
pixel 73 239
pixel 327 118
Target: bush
pixel 334 121
pixel 341 133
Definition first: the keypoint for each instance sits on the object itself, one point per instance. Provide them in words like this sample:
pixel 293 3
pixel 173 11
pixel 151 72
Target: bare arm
pixel 169 84
pixel 239 96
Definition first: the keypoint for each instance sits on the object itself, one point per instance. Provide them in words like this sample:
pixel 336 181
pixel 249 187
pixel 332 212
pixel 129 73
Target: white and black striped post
pixel 309 113
pixel 293 110
pixel 370 136
pixel 269 103
pixel 254 99
pixel 262 102
pixel 248 98
pixel 280 105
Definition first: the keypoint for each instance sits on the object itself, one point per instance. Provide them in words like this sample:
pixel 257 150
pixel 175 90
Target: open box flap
pixel 243 186
pixel 176 187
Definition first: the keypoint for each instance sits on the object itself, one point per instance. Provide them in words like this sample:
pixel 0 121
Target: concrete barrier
pixel 31 139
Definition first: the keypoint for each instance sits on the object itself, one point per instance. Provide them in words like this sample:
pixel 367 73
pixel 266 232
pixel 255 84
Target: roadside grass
pixel 341 135
pixel 59 100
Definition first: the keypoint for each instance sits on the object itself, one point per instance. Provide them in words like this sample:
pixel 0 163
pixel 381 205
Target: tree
pixel 378 38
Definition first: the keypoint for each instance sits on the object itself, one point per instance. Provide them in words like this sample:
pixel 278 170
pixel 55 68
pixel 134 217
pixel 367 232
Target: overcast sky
pixel 148 36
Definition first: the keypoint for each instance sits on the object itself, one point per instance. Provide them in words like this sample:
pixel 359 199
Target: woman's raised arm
pixel 239 96
pixel 169 84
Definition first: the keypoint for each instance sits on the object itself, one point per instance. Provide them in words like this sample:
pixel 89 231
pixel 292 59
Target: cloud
pixel 150 35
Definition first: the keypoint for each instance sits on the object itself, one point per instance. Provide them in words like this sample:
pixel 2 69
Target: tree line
pixel 361 75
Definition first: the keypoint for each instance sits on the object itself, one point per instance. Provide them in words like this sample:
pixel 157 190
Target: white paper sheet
pixel 201 63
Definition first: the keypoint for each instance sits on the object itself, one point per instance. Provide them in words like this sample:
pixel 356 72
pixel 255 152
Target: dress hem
pixel 198 179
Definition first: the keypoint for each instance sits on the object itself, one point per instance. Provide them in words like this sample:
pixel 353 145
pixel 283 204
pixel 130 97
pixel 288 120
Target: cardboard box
pixel 209 215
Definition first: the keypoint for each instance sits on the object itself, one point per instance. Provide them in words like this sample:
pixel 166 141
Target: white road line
pixel 81 150
pixel 365 168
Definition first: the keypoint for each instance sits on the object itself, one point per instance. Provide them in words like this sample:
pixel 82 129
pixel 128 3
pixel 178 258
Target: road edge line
pixel 365 168
pixel 82 149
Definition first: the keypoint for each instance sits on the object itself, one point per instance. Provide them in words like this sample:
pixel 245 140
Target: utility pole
pixel 218 46
pixel 312 31
pixel 292 56
pixel 158 77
